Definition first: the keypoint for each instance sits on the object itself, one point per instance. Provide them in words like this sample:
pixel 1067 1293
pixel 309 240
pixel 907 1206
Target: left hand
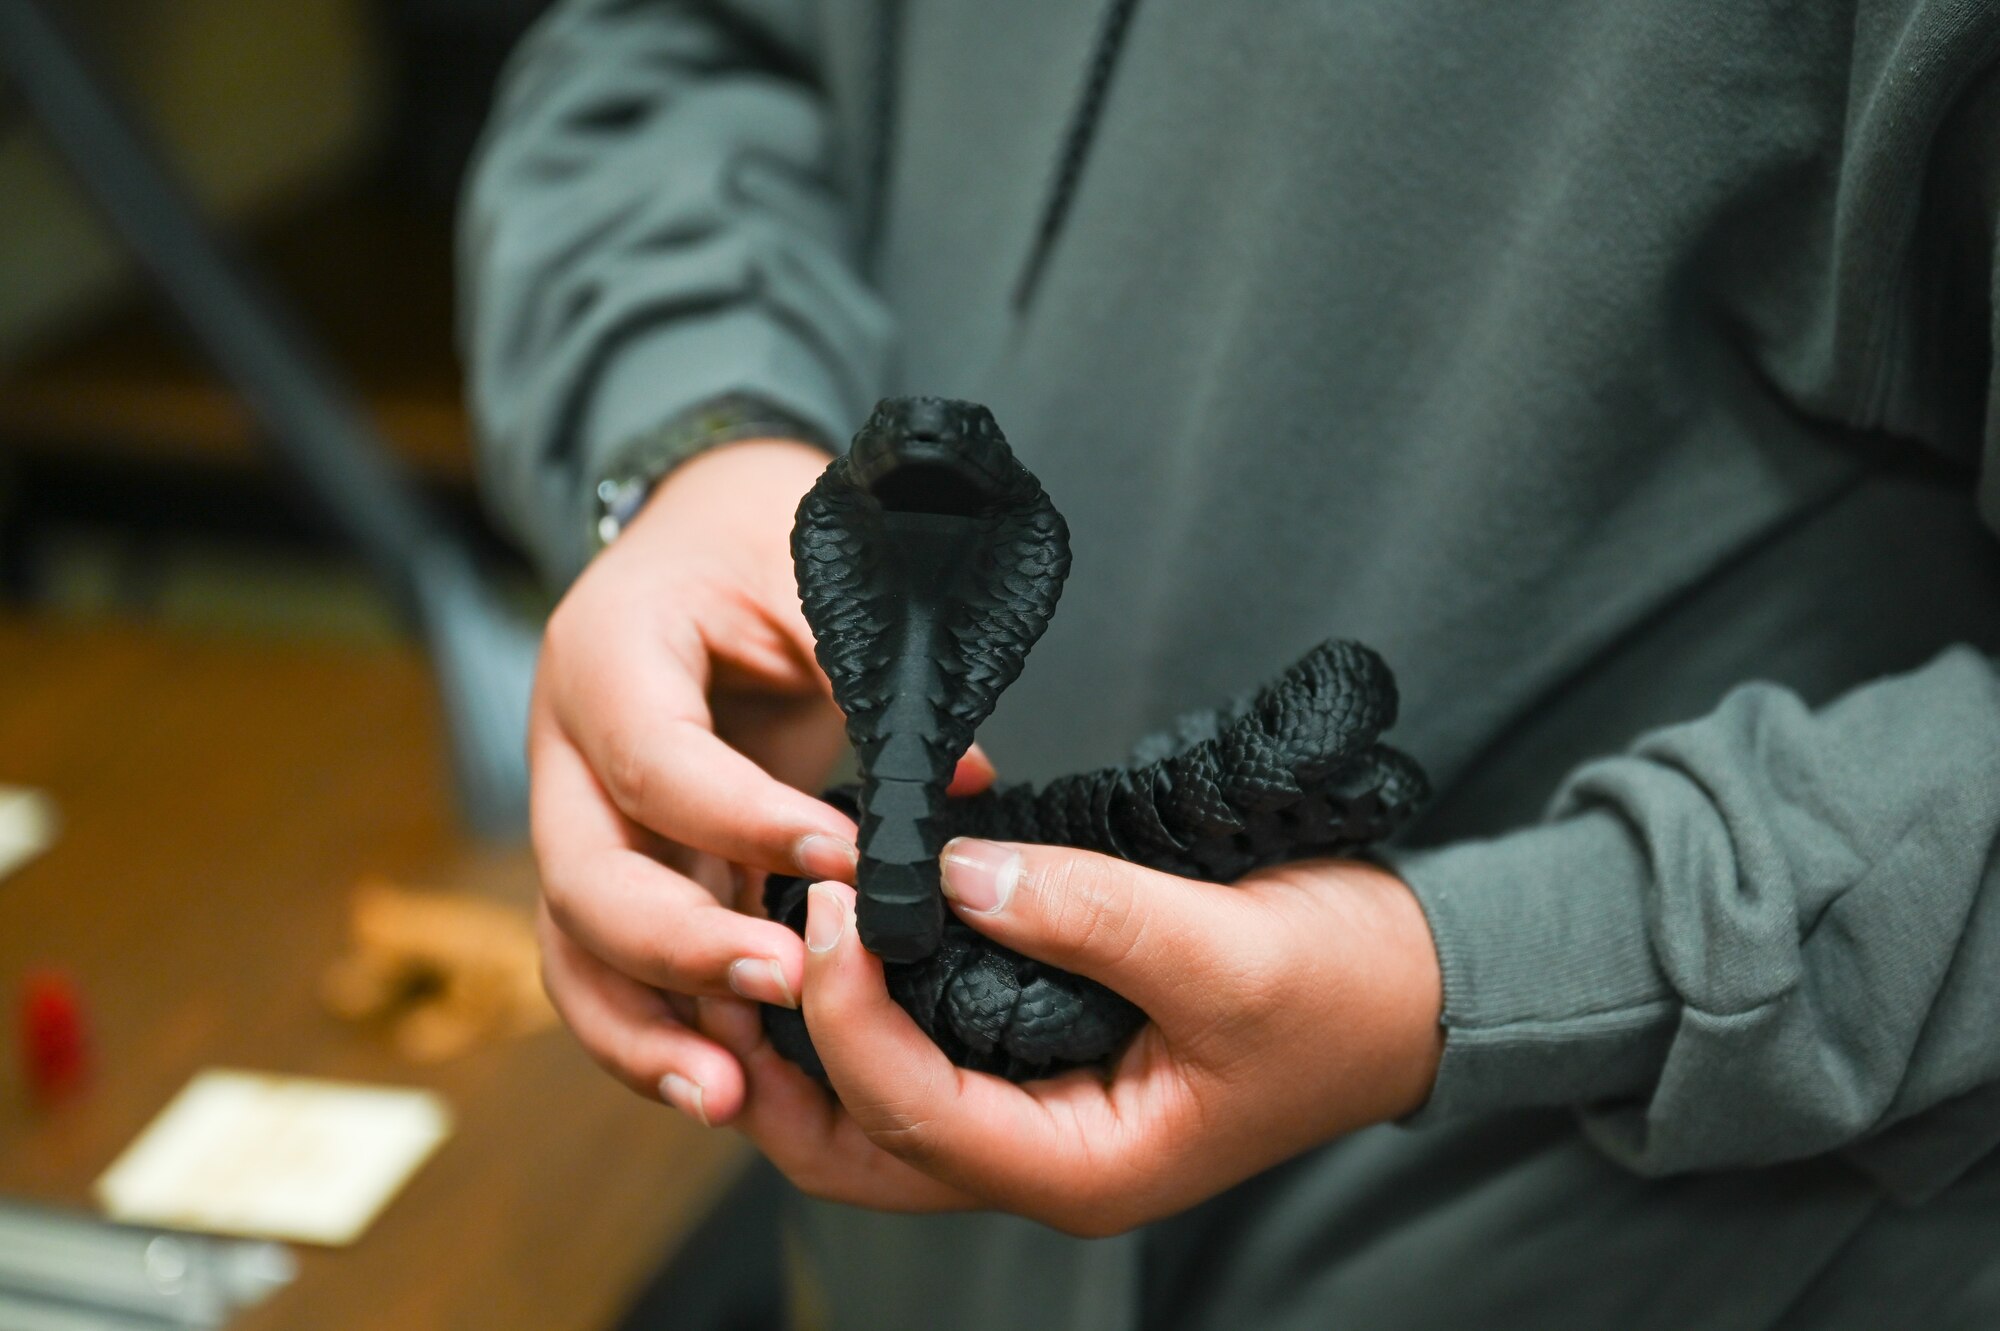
pixel 1300 1004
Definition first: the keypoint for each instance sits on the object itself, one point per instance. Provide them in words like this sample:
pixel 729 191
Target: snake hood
pixel 929 561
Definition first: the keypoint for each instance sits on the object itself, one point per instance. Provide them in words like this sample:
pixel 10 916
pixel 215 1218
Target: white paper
pixel 27 826
pixel 274 1157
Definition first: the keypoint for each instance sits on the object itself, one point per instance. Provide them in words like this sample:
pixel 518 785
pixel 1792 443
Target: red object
pixel 55 1043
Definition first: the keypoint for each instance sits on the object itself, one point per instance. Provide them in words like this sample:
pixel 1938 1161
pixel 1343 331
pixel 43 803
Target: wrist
pixel 1413 997
pixel 752 483
pixel 1390 996
pixel 639 466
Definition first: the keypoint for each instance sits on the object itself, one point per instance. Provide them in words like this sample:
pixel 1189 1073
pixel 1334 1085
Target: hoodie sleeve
pixel 654 221
pixel 1766 934
pixel 1774 932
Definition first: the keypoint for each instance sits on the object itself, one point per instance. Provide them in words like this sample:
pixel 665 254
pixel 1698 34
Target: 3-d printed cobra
pixel 929 561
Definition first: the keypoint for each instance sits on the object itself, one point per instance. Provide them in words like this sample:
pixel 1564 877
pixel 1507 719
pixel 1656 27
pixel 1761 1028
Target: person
pixel 1624 375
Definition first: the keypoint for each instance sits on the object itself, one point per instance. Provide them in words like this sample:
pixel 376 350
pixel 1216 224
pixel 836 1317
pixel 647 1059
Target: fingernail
pixel 826 917
pixel 761 980
pixel 980 875
pixel 685 1096
pixel 823 856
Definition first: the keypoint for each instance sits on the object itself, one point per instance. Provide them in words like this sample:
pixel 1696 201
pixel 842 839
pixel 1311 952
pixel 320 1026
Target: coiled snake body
pixel 929 561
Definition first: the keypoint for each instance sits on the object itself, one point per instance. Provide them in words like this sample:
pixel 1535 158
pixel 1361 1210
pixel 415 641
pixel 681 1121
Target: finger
pixel 797 1125
pixel 634 913
pixel 973 774
pixel 1142 933
pixel 630 1032
pixel 798 740
pixel 977 1133
pixel 648 737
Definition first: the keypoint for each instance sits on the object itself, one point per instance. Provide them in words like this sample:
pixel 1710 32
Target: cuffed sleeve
pixel 653 222
pixel 1552 995
pixel 1767 934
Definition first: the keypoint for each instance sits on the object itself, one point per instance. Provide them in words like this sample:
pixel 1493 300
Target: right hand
pixel 678 718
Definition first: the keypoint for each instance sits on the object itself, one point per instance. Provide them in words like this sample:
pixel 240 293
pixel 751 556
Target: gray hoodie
pixel 1621 371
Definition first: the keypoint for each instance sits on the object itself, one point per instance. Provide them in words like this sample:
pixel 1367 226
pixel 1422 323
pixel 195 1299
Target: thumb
pixel 1134 930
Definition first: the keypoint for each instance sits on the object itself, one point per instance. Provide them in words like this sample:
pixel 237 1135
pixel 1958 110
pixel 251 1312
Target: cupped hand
pixel 677 714
pixel 1300 1004
pixel 678 721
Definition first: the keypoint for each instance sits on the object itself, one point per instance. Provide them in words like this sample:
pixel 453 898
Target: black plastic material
pixel 929 561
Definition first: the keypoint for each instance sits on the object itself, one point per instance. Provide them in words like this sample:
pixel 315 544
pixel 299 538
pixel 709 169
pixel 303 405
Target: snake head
pixel 937 455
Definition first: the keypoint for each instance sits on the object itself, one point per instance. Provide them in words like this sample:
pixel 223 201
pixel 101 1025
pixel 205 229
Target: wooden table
pixel 219 797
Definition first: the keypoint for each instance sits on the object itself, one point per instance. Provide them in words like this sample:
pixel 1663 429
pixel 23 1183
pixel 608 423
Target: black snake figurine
pixel 929 561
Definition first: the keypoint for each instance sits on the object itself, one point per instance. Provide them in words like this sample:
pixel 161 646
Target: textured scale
pixel 929 561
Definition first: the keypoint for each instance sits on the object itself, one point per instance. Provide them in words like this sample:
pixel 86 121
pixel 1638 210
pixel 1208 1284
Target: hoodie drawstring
pixel 1076 143
pixel 887 47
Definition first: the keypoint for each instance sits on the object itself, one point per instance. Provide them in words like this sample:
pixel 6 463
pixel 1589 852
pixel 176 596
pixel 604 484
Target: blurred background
pixel 262 664
pixel 325 140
